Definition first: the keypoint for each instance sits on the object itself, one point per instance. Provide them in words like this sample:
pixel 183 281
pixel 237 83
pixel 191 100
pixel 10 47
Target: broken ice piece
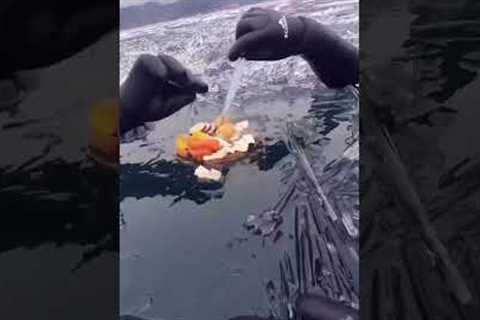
pixel 352 152
pixel 349 226
pixel 240 126
pixel 264 223
pixel 250 218
pixel 210 174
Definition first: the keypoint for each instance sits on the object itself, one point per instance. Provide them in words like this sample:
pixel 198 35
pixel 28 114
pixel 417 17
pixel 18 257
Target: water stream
pixel 238 71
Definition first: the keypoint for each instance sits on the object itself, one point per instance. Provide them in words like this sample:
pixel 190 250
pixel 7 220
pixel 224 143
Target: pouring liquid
pixel 234 85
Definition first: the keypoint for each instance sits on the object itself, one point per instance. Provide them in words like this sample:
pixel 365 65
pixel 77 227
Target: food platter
pixel 216 145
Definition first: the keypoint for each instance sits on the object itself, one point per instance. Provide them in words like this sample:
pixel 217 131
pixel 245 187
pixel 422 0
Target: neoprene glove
pixel 156 87
pixel 264 34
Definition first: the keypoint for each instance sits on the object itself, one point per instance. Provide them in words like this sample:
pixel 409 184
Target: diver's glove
pixel 156 87
pixel 264 34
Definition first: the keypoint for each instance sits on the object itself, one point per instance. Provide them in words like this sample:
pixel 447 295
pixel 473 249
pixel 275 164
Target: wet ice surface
pixel 44 141
pixel 58 207
pixel 213 251
pixel 433 114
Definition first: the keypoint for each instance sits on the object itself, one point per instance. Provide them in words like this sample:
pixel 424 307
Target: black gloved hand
pixel 156 87
pixel 263 34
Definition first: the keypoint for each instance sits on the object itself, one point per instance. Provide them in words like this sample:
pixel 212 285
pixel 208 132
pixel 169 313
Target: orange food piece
pixel 201 135
pixel 182 145
pixel 226 131
pixel 196 146
pixel 198 153
pixel 200 143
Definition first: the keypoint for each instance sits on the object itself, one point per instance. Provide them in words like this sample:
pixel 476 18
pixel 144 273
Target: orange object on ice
pixel 226 131
pixel 201 143
pixel 196 146
pixel 182 145
pixel 199 153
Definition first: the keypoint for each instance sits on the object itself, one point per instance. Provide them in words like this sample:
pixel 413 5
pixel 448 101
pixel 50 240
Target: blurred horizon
pixel 137 13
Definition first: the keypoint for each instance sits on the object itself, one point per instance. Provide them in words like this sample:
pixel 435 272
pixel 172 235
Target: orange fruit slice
pixel 226 131
pixel 200 143
pixel 182 145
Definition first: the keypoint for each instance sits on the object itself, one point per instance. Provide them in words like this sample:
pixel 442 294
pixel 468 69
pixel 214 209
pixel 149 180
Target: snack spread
pixel 210 142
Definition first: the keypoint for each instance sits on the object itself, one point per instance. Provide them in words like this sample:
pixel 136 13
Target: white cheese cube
pixel 204 173
pixel 248 138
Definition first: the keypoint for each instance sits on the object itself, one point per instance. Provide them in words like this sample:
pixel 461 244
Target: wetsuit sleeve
pixel 156 87
pixel 333 59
